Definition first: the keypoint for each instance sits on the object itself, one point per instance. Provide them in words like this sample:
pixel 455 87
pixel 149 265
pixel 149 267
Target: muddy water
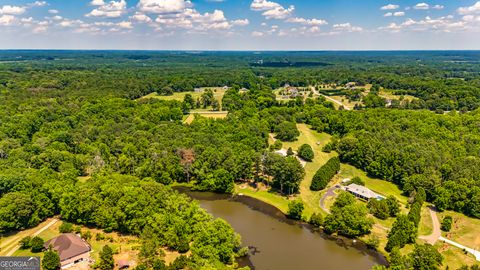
pixel 277 243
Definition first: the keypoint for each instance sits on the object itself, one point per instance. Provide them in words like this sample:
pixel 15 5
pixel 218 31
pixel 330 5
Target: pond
pixel 278 243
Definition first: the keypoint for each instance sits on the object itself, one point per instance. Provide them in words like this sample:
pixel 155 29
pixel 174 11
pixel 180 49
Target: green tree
pixel 66 227
pixel 295 209
pixel 36 244
pixel 348 218
pixel 287 131
pixel 106 258
pixel 316 219
pixel 426 257
pixel 25 243
pixel 323 176
pixel 403 232
pixel 447 223
pixel 51 260
pixel 306 152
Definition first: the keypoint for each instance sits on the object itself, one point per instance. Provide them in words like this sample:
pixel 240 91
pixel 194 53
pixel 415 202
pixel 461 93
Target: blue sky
pixel 240 24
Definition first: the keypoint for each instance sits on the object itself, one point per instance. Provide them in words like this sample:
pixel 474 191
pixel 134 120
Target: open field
pixel 218 93
pixel 349 105
pixel 389 95
pixel 281 202
pixel 465 230
pixel 311 137
pixel 9 243
pixel 208 114
pixel 454 257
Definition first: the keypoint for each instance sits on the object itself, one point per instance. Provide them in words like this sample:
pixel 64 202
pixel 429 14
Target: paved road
pixel 330 193
pixel 437 235
pixel 39 231
pixel 436 232
pixel 475 253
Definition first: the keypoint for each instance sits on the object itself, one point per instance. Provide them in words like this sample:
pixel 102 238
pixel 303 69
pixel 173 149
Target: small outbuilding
pixel 71 248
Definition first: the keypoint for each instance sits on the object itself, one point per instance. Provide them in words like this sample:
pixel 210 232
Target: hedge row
pixel 325 174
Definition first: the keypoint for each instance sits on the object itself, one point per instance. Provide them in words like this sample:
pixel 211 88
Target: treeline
pixel 323 176
pixel 414 149
pixel 405 228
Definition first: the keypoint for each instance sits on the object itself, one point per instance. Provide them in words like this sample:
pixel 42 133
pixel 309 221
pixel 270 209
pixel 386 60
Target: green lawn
pixel 426 226
pixel 218 93
pixel 311 137
pixel 274 199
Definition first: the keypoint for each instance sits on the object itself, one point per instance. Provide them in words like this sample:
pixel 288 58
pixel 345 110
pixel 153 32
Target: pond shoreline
pixel 272 211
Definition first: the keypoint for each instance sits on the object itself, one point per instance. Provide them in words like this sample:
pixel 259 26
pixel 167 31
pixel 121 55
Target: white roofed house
pixel 363 192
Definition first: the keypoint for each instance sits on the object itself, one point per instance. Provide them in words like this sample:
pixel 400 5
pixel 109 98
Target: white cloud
pixel 347 27
pixel 125 25
pixel 272 10
pixel 53 11
pixel 192 20
pixel 441 24
pixel 388 14
pixel 7 19
pixel 241 22
pixel 438 7
pixel 97 3
pixel 475 9
pixel 112 9
pixel 38 4
pixel 423 6
pixel 399 14
pixel 12 10
pixel 163 6
pixel 390 7
pixel 304 21
pixel 140 17
pixel 257 34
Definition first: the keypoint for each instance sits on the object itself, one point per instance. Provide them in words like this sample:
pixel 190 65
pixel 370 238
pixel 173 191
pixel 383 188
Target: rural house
pixel 363 192
pixel 71 248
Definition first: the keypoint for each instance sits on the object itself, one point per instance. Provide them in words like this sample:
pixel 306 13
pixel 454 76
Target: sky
pixel 240 24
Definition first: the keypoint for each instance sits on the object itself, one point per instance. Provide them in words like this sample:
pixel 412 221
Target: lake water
pixel 277 243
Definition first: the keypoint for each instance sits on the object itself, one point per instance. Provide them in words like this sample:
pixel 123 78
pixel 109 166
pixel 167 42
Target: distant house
pixel 363 192
pixel 351 85
pixel 71 248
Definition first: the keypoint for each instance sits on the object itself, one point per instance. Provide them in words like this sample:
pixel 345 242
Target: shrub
pixel 66 227
pixel 447 223
pixel 316 219
pixel 306 152
pixel 290 151
pixel 372 242
pixel 295 209
pixel 36 244
pixel 25 242
pixel 357 180
pixel 51 260
pixel 325 174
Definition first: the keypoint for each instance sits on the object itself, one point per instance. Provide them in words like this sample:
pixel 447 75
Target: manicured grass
pixel 426 226
pixel 281 202
pixel 10 241
pixel 453 257
pixel 346 103
pixel 465 230
pixel 382 187
pixel 311 137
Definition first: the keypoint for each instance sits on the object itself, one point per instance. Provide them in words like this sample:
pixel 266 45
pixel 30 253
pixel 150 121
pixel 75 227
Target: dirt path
pixel 13 244
pixel 436 232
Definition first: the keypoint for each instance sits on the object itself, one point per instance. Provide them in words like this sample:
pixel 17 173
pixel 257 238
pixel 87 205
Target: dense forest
pixel 71 116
